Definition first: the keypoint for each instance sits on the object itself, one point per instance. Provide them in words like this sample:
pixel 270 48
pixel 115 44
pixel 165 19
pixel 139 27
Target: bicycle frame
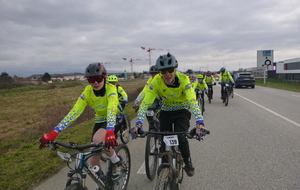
pixel 81 163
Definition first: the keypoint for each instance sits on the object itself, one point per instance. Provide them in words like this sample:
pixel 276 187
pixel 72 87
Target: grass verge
pixel 22 164
pixel 293 86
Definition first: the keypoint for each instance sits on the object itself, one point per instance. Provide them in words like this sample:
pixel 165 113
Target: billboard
pixel 265 58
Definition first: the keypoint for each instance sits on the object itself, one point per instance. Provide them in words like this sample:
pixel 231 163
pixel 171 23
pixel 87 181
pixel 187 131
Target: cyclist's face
pixel 96 82
pixel 114 83
pixel 169 77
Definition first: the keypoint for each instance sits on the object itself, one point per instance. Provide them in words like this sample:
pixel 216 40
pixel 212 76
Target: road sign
pixel 265 58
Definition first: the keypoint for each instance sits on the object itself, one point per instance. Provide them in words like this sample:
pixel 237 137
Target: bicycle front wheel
pixel 226 98
pixel 151 156
pixel 164 180
pixel 120 174
pixel 125 130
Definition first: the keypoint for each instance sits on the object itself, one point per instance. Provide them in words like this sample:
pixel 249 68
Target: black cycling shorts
pixel 98 126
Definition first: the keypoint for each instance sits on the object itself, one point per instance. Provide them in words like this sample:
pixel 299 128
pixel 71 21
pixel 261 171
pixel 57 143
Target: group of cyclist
pixel 205 83
pixel 169 90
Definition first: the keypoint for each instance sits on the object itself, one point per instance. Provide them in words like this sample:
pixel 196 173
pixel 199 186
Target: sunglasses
pixel 169 71
pixel 97 79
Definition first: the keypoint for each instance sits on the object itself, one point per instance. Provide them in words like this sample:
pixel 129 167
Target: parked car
pixel 244 79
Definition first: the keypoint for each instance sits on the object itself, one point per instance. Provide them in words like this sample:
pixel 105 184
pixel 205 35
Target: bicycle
pixel 200 100
pixel 150 152
pixel 209 93
pixel 124 131
pixel 108 180
pixel 170 173
pixel 150 159
pixel 226 93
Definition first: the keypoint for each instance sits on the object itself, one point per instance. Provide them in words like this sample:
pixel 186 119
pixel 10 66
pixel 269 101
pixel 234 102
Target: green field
pixel 27 113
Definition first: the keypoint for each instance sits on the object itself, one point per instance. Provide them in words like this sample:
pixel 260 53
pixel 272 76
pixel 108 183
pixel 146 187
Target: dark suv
pixel 244 79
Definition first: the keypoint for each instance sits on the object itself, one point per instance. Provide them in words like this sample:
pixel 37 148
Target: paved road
pixel 254 144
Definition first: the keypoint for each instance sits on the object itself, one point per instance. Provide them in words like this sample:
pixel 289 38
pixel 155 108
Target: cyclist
pixel 225 77
pixel 177 96
pixel 122 95
pixel 102 97
pixel 157 102
pixel 210 81
pixel 123 100
pixel 201 85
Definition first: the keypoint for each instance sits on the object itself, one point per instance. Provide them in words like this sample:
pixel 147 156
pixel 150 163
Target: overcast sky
pixel 60 36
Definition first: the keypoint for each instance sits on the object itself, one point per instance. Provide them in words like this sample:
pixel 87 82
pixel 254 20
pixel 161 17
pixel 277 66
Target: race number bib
pixel 150 113
pixel 171 140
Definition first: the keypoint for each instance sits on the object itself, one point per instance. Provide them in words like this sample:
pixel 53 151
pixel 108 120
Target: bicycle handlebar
pixel 73 146
pixel 187 134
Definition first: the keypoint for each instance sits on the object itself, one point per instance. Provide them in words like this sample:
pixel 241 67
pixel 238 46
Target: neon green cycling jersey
pixel 173 98
pixel 105 107
pixel 200 86
pixel 209 80
pixel 225 77
pixel 122 95
pixel 143 92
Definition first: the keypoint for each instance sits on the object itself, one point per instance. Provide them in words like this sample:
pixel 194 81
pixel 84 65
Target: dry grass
pixel 31 111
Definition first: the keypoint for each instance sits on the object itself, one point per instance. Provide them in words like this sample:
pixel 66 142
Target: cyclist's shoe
pixel 118 169
pixel 189 169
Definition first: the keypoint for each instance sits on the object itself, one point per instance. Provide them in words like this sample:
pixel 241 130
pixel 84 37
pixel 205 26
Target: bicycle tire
pixel 125 130
pixel 122 183
pixel 202 106
pixel 226 98
pixel 151 156
pixel 209 96
pixel 75 186
pixel 164 180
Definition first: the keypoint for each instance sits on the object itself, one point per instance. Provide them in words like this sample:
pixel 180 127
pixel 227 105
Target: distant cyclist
pixel 157 102
pixel 123 100
pixel 210 81
pixel 200 85
pixel 122 95
pixel 225 77
pixel 178 97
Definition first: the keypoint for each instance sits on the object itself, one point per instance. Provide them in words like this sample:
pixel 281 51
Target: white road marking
pixel 275 113
pixel 296 95
pixel 142 169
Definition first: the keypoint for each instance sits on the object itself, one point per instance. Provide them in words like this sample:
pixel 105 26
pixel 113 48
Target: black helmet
pixel 222 69
pixel 153 70
pixel 95 69
pixel 166 61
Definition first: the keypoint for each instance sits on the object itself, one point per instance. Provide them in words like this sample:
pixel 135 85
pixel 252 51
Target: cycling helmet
pixel 153 70
pixel 200 76
pixel 95 69
pixel 112 78
pixel 222 69
pixel 208 73
pixel 166 61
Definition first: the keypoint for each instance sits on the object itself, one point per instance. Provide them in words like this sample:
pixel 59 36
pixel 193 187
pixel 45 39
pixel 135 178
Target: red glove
pixel 48 137
pixel 110 139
